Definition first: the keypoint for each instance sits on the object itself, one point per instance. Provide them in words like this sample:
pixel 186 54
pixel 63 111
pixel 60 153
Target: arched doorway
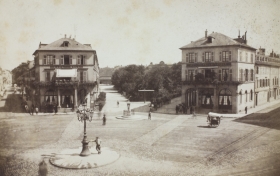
pixel 190 97
pixel 67 99
pixel 225 99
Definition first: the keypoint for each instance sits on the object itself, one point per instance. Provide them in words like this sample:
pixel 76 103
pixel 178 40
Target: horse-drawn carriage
pixel 214 119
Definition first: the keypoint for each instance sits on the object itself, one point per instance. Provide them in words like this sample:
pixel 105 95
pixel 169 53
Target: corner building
pixel 66 75
pixel 218 74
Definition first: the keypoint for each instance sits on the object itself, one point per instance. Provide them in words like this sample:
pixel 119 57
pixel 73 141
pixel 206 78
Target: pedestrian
pixel 176 108
pixel 32 109
pixel 104 119
pixel 55 108
pixel 191 110
pixel 26 108
pixel 246 110
pixel 118 103
pixel 150 116
pixel 98 144
pixel 194 115
pixel 36 110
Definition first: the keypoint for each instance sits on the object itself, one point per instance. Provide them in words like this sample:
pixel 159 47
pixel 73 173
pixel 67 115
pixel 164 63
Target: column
pixel 216 101
pixel 58 97
pixel 76 98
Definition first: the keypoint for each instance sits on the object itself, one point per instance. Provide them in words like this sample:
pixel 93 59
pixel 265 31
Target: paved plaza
pixel 166 145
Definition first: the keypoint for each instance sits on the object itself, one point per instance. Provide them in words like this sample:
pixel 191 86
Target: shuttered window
pixel 212 57
pixel 187 58
pixel 220 75
pixel 230 74
pixel 84 75
pixel 195 57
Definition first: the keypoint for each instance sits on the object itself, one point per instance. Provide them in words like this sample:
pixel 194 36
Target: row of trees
pixel 164 80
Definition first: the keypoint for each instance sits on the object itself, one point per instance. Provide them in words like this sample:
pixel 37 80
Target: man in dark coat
pixel 104 119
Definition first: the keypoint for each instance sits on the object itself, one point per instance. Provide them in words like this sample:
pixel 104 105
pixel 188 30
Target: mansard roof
pixel 64 44
pixel 215 40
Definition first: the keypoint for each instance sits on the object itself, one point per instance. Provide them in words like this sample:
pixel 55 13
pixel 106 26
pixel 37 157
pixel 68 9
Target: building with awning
pixel 66 74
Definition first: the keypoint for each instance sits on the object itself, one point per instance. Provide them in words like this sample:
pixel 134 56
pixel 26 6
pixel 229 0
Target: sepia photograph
pixel 139 88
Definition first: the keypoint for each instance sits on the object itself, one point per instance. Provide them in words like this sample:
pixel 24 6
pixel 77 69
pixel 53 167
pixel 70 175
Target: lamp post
pixel 84 115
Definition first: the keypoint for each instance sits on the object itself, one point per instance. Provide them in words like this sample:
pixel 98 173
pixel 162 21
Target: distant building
pixel 160 64
pixel 267 72
pixel 66 74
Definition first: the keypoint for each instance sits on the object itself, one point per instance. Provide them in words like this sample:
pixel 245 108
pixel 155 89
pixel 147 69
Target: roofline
pixel 240 46
pixel 62 50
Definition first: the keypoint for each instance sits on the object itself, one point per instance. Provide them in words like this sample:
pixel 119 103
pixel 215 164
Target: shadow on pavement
pixel 203 126
pixel 268 119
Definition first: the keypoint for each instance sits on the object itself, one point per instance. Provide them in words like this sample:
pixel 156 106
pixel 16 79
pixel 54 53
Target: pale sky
pixel 132 31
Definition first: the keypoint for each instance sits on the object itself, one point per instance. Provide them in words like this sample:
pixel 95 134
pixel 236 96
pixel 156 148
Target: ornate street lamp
pixel 84 115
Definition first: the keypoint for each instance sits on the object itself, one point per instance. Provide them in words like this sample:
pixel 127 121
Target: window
pixel 246 57
pixel 240 56
pixel 66 60
pixel 252 75
pixel 246 96
pixel 240 95
pixel 61 60
pixel 241 75
pixel 225 99
pixel 81 60
pixel 191 74
pixel 246 74
pixel 47 76
pixel 82 76
pixel 251 95
pixel 225 74
pixel 65 44
pixel 257 70
pixel 252 58
pixel 225 56
pixel 208 57
pixel 191 57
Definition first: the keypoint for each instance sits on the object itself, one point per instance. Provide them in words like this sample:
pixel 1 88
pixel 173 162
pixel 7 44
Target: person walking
pixel 246 110
pixel 191 110
pixel 150 116
pixel 104 119
pixel 55 108
pixel 32 109
pixel 36 109
pixel 194 115
pixel 176 108
pixel 98 144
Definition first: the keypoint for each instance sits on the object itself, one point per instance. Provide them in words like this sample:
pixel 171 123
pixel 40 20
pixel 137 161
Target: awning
pixel 66 73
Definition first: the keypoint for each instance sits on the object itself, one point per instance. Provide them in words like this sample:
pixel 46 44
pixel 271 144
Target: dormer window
pixel 65 44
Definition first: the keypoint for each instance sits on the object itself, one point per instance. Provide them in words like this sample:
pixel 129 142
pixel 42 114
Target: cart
pixel 214 119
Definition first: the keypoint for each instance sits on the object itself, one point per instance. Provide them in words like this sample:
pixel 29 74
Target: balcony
pixel 213 83
pixel 64 83
pixel 208 64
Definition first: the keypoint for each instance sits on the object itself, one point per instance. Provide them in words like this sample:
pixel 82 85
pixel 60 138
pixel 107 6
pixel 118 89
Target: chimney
pixel 245 38
pixel 239 34
pixel 206 33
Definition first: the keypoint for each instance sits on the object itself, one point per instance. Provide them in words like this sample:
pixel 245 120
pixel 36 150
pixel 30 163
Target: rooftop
pixel 213 40
pixel 64 44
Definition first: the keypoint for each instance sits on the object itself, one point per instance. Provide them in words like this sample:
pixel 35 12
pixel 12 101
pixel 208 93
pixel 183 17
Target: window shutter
pixel 79 61
pixel 203 57
pixel 220 56
pixel 229 56
pixel 84 75
pixel 85 60
pixel 212 57
pixel 186 72
pixel 230 74
pixel 195 57
pixel 70 60
pixel 44 61
pixel 187 58
pixel 54 61
pixel 220 75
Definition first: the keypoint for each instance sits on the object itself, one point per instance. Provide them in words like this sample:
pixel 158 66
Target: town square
pixel 139 88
